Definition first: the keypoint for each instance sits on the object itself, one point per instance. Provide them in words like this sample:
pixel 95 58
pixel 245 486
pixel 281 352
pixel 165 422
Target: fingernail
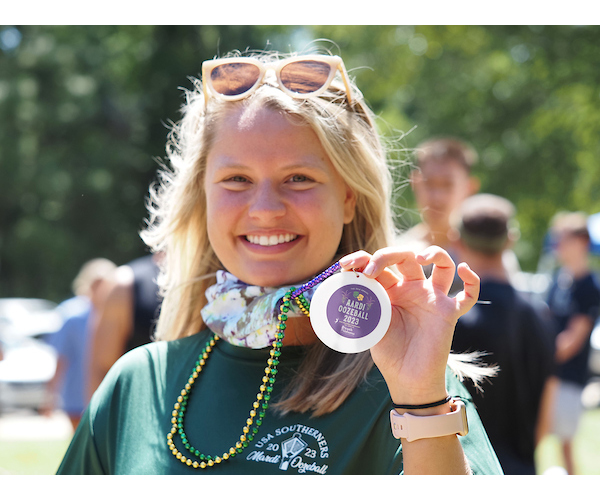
pixel 346 261
pixel 369 269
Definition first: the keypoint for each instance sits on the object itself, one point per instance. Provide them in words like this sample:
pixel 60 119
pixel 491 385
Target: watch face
pixel 350 313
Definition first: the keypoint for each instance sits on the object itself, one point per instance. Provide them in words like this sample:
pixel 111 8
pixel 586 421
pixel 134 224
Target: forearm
pixel 52 387
pixel 572 339
pixel 436 456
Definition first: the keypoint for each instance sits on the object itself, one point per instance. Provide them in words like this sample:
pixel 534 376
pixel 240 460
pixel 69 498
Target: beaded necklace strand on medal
pixel 196 459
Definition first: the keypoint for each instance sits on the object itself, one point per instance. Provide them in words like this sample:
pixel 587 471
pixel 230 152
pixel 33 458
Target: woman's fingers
pixel 442 274
pixel 410 266
pixel 374 266
pixel 470 293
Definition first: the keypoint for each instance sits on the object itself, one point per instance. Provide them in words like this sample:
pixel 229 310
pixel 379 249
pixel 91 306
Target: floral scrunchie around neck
pixel 245 315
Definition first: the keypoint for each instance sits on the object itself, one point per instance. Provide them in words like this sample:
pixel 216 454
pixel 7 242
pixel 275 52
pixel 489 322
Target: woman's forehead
pixel 245 117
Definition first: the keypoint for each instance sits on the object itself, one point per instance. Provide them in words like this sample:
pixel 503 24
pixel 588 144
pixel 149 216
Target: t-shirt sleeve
pixel 59 340
pixel 93 447
pixel 86 453
pixel 476 444
pixel 587 299
pixel 82 455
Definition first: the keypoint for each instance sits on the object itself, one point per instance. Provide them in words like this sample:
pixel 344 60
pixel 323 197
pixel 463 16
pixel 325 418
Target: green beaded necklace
pixel 259 407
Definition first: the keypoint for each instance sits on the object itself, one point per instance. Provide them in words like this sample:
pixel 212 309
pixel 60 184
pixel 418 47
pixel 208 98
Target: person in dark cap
pixel 513 330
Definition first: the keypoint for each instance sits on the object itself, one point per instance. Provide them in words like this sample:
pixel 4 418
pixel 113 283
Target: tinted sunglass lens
pixel 234 78
pixel 304 77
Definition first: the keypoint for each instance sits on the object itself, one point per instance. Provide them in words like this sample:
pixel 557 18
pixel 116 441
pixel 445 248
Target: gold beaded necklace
pixel 259 407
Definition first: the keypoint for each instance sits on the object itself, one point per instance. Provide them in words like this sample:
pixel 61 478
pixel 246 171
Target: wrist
pixel 411 427
pixel 438 407
pixel 432 408
pixel 418 397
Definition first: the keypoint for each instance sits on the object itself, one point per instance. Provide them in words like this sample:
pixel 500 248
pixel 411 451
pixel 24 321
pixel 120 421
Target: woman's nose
pixel 266 203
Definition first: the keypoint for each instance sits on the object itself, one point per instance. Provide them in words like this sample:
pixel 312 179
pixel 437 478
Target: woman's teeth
pixel 268 241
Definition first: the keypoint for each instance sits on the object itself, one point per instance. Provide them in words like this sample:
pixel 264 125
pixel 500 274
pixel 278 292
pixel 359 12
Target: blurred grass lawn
pixel 32 457
pixel 586 447
pixel 44 457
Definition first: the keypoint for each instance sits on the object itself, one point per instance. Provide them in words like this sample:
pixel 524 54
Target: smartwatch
pixel 412 427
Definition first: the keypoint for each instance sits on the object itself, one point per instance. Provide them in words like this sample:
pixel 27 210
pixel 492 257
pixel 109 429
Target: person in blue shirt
pixel 68 388
pixel 574 300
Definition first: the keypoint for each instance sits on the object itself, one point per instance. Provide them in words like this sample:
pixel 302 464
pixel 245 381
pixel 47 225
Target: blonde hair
pixel 92 271
pixel 178 226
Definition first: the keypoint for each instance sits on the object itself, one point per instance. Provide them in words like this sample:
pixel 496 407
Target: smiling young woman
pixel 277 180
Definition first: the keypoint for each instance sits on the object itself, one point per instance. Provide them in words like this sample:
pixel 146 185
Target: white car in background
pixel 27 362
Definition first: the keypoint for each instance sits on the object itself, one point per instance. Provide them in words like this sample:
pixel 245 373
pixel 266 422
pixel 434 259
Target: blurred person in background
pixel 441 182
pixel 574 300
pixel 513 330
pixel 126 318
pixel 68 387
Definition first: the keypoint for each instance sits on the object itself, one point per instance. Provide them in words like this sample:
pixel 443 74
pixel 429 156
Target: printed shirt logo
pixel 293 447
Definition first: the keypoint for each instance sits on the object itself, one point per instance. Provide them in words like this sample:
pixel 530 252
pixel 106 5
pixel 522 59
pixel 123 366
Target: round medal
pixel 350 313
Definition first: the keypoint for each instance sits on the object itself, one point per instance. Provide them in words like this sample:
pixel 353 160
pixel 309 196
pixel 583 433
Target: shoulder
pixel 587 293
pixel 143 266
pixel 532 304
pixel 154 358
pixel 156 352
pixel 74 306
pixel 591 283
pixel 73 323
pixel 118 285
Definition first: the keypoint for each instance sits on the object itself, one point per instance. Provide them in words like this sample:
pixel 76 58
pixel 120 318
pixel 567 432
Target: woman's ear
pixel 349 205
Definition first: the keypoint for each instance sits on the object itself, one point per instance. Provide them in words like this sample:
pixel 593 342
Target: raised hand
pixel 413 354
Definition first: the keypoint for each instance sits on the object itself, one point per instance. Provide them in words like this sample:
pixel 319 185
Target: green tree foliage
pixel 526 97
pixel 84 113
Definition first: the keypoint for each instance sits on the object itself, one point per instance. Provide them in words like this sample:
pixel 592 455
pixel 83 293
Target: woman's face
pixel 276 207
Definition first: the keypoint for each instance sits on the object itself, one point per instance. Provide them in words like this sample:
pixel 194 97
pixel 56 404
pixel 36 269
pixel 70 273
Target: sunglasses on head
pixel 235 78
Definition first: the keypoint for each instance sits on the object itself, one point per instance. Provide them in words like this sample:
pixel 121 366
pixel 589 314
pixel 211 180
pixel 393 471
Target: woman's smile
pixel 271 240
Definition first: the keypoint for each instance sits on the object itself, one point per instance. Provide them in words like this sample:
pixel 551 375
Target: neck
pixel 438 236
pixel 494 274
pixel 487 267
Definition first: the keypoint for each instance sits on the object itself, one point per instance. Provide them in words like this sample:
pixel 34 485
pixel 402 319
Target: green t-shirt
pixel 124 430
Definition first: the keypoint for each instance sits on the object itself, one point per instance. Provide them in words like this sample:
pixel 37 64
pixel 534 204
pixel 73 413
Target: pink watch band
pixel 412 427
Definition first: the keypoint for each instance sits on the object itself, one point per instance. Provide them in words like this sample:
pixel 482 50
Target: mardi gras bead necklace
pixel 191 456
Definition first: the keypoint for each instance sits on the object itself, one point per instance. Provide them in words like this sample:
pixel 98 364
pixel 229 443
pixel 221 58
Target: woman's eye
pixel 236 178
pixel 299 178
